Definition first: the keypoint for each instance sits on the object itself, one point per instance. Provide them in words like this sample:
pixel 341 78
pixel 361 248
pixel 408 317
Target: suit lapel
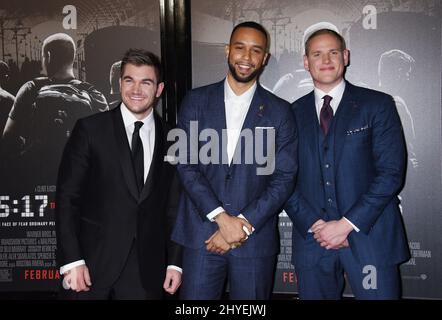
pixel 157 159
pixel 124 153
pixel 346 110
pixel 256 110
pixel 216 119
pixel 310 121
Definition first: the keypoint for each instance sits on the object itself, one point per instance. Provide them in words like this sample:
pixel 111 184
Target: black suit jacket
pixel 99 211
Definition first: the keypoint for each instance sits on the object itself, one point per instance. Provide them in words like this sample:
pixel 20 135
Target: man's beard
pixel 237 77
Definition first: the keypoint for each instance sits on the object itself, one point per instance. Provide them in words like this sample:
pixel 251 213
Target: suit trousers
pixel 206 273
pixel 325 280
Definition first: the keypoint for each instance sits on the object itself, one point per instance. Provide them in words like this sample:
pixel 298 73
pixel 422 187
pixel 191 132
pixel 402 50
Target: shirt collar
pixel 246 97
pixel 336 93
pixel 129 119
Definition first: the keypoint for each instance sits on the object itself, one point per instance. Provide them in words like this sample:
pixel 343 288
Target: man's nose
pixel 247 55
pixel 136 88
pixel 326 58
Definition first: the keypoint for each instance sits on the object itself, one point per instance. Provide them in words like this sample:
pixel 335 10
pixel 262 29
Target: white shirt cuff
pixel 180 270
pixel 354 227
pixel 244 228
pixel 71 265
pixel 211 216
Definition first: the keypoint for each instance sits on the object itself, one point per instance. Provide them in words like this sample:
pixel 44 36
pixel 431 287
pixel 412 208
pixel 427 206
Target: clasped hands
pixel 230 234
pixel 332 234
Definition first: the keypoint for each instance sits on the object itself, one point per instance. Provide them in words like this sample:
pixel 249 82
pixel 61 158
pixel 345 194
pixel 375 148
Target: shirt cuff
pixel 71 265
pixel 211 216
pixel 244 228
pixel 353 226
pixel 180 270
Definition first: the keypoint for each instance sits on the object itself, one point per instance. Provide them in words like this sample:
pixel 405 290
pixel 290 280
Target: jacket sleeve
pixel 72 176
pixel 297 207
pixel 389 158
pixel 195 184
pixel 301 212
pixel 174 250
pixel 281 182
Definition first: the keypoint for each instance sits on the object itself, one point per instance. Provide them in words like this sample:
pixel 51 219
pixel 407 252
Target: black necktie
pixel 138 155
pixel 326 115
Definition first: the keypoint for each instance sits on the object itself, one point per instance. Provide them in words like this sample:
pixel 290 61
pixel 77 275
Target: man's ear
pixel 306 66
pixel 159 89
pixel 227 50
pixel 266 58
pixel 346 54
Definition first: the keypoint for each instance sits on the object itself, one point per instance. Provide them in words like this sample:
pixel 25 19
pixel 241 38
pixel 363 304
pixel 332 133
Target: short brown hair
pixel 140 57
pixel 321 32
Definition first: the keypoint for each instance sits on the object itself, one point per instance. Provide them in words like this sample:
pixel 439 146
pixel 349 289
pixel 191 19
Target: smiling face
pixel 246 54
pixel 140 89
pixel 325 60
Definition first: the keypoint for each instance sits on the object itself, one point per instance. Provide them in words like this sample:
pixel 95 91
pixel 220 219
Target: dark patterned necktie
pixel 326 114
pixel 138 155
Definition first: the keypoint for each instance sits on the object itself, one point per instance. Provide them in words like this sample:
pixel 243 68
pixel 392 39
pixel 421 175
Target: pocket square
pixel 357 130
pixel 264 128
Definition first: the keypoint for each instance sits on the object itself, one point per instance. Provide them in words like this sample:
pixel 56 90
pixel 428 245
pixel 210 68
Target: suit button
pixel 325 148
pixel 228 177
pixel 330 201
pixel 327 166
pixel 328 183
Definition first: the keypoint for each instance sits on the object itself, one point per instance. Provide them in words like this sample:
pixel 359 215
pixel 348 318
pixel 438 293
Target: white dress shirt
pixel 336 93
pixel 147 134
pixel 236 108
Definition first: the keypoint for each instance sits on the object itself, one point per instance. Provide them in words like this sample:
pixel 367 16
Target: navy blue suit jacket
pixel 369 169
pixel 237 188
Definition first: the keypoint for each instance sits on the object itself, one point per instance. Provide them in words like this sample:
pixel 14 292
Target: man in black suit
pixel 116 196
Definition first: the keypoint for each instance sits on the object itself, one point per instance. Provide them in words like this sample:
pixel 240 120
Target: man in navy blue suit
pixel 352 162
pixel 228 216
